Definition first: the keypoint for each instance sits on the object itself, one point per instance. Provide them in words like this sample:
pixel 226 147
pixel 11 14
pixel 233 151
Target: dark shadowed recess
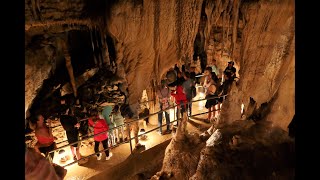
pixel 80 49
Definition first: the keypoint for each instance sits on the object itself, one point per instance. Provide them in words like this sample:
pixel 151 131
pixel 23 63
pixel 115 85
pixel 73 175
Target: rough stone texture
pixel 248 151
pixel 267 61
pixel 151 37
pixel 181 155
pixel 39 62
pixel 245 150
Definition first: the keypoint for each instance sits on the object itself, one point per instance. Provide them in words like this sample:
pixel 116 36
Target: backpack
pixel 193 91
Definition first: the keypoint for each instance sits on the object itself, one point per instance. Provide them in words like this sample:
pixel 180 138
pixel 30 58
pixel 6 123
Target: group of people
pixel 107 126
pixel 216 86
pixel 182 90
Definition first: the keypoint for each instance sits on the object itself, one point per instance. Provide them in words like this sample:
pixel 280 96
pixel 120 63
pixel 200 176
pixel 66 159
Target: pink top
pixel 45 139
pixel 98 127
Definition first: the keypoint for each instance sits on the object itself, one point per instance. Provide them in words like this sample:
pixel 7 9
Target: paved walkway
pixel 121 152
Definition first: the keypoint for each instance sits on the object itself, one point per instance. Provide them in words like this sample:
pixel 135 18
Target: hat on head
pixel 231 62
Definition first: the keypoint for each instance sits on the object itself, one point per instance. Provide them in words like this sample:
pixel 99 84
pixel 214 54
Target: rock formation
pixel 138 41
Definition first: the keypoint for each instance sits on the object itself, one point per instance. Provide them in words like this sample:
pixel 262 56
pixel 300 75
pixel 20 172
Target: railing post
pixel 130 138
pixel 174 114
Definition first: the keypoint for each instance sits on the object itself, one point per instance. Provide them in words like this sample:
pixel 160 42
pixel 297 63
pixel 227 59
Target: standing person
pixel 127 113
pixel 179 80
pixel 210 89
pixel 231 69
pixel 70 125
pixel 163 95
pixel 118 122
pixel 106 114
pixel 215 68
pixel 181 100
pixel 100 128
pixel 224 89
pixel 44 135
pixel 187 87
pixel 80 113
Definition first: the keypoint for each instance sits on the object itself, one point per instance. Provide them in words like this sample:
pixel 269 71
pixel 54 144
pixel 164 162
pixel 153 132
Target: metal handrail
pixel 128 124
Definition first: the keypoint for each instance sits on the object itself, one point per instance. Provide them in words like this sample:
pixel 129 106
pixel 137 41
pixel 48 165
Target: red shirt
pixel 98 127
pixel 180 96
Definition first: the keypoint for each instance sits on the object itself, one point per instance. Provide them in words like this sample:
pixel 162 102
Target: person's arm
pixel 50 128
pixel 90 122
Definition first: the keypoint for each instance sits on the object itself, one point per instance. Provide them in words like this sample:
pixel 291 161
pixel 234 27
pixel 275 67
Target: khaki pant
pixel 134 127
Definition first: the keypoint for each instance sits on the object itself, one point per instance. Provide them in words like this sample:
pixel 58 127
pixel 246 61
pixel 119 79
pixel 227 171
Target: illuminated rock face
pixel 149 37
pixel 267 64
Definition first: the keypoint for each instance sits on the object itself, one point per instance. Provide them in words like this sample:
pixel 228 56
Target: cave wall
pixel 151 37
pixel 266 62
pixel 40 61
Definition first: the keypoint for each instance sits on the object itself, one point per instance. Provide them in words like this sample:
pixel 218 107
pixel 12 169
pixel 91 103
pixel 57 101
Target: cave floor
pixel 122 152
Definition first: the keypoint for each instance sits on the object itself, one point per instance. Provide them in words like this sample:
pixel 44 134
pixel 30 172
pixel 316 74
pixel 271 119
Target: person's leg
pixel 183 109
pixel 177 113
pixel 77 149
pixel 122 134
pixel 51 148
pixel 190 107
pixel 105 146
pixel 73 151
pixel 116 132
pixel 135 132
pixel 209 113
pixel 128 131
pixel 212 108
pixel 167 120
pixel 96 146
pixel 160 121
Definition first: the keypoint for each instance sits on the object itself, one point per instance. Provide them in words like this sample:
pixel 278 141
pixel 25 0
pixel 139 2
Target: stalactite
pixel 223 30
pixel 98 47
pixel 235 21
pixel 179 15
pixel 105 51
pixel 228 28
pixel 38 9
pixel 69 67
pixel 93 50
pixel 34 9
pixel 156 39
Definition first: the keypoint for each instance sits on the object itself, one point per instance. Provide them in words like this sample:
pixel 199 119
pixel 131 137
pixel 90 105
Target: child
pixel 101 128
pixel 118 121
